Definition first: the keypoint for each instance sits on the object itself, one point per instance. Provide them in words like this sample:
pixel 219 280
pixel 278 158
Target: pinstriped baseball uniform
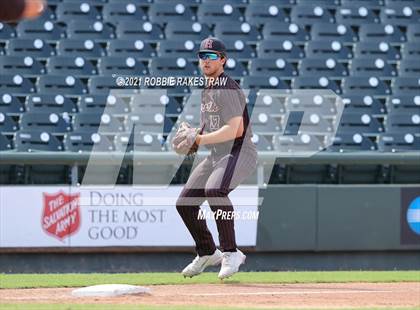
pixel 228 164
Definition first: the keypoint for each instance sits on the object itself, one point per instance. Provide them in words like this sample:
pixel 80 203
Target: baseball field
pixel 245 290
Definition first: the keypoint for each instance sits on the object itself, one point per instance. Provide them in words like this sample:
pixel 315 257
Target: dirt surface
pixel 328 295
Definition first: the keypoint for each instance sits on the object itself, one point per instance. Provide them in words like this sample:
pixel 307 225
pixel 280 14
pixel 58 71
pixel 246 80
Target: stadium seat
pixel 363 104
pixel 328 67
pixel 265 124
pixel 351 142
pixel 311 102
pixel 336 32
pixel 8 125
pixel 376 50
pixel 409 104
pixel 409 68
pixel 89 30
pixel 279 49
pixel 131 48
pixel 285 31
pixel 93 122
pixel 372 67
pixel 103 85
pixel 48 122
pixel 6 32
pixel 311 122
pixel 133 30
pixel 71 65
pixel 381 33
pixel 237 31
pixel 403 123
pixel 121 65
pixel 10 104
pixel 406 86
pixel 35 140
pixel 272 66
pixel 54 84
pixel 239 50
pixel 413 33
pixel 47 30
pixel 116 12
pixel 298 143
pixel 99 104
pixel 161 13
pixel 310 14
pixel 172 66
pixel 5 144
pixel 57 104
pixel 186 30
pixel 371 4
pixel 81 11
pixel 397 142
pixel 359 123
pixel 87 142
pixel 87 48
pixel 355 15
pixel 328 49
pixel 365 86
pixel 262 142
pixel 330 4
pixel 410 50
pixel 16 84
pixel 235 69
pixel 178 48
pixel 140 142
pixel 400 14
pixel 36 48
pixel 24 65
pixel 265 13
pixel 307 82
pixel 212 13
pixel 263 82
pixel 151 122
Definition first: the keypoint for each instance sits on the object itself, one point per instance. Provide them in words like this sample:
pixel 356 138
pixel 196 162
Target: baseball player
pixel 226 132
pixel 13 10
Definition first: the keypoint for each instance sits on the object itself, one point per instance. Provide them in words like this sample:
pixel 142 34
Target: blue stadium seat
pixel 409 68
pixel 272 66
pixel 371 4
pixel 336 32
pixel 406 86
pixel 81 11
pixel 71 65
pixel 212 13
pixel 58 84
pixel 400 14
pixel 161 13
pixel 7 124
pixel 235 69
pixel 264 13
pixel 6 143
pixel 372 67
pixel 6 32
pixel 413 33
pixel 131 48
pixel 381 33
pixel 121 65
pixel 360 123
pixel 397 142
pixel 410 50
pixel 329 4
pixel 365 85
pixel 285 31
pixel 89 30
pixel 409 104
pixel 86 48
pixel 186 30
pixel 403 122
pixel 58 104
pixel 351 142
pixel 114 105
pixel 35 48
pixel 10 104
pixel 315 82
pixel 265 124
pixel 363 105
pixel 102 85
pixel 16 84
pixel 355 15
pixel 86 142
pixel 326 48
pixel 171 66
pixel 141 142
pixel 145 31
pixel 92 122
pixel 263 82
pixel 35 140
pixel 237 31
pixel 41 29
pixel 298 143
pixel 151 122
pixel 382 50
pixel 178 48
pixel 262 142
pixel 309 14
pixel 311 122
pixel 279 49
pixel 311 103
pixel 116 12
pixel 24 65
pixel 239 50
pixel 328 67
pixel 48 122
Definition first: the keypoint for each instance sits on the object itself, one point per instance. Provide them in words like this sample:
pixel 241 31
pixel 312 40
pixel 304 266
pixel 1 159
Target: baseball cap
pixel 212 44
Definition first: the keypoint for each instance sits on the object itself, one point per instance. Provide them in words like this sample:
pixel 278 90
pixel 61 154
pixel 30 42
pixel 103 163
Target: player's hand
pixel 33 8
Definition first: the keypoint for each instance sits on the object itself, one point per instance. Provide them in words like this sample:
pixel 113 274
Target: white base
pixel 109 290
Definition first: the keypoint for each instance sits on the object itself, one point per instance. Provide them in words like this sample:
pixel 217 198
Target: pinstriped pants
pixel 212 180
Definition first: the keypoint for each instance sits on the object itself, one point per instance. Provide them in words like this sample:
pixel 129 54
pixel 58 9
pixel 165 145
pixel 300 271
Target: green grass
pixel 137 307
pixel 151 278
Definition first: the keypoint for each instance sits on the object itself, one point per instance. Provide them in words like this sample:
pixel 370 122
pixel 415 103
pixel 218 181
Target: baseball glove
pixel 184 140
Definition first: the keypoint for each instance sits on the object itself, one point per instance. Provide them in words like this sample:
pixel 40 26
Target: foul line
pixel 292 293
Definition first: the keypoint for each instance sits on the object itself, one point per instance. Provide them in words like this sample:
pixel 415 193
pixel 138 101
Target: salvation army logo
pixel 413 215
pixel 61 214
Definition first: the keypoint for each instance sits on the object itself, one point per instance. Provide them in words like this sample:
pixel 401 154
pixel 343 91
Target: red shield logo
pixel 61 214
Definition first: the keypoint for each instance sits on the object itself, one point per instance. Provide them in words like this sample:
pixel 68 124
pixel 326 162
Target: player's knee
pixel 215 192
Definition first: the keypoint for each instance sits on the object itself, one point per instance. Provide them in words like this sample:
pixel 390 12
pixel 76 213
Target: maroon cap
pixel 212 44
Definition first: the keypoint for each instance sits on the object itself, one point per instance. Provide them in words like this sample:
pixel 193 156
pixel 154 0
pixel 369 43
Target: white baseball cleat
pixel 200 263
pixel 230 263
